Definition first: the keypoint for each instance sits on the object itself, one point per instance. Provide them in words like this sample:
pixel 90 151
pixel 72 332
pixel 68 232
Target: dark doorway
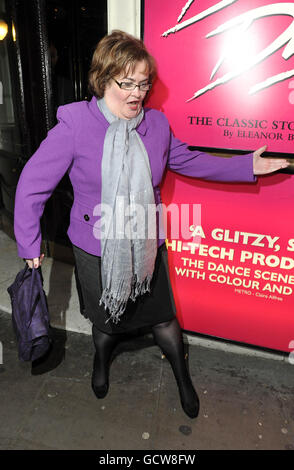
pixel 74 28
pixel 47 54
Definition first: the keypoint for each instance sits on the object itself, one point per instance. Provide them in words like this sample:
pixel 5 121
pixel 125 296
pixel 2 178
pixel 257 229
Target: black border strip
pixel 142 24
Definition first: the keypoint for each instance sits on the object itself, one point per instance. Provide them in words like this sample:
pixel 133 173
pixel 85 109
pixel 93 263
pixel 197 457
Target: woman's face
pixel 127 104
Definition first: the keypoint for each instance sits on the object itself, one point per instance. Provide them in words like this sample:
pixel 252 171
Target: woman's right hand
pixel 35 262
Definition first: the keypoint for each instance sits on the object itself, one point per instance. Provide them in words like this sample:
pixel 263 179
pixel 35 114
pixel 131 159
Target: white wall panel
pixel 124 15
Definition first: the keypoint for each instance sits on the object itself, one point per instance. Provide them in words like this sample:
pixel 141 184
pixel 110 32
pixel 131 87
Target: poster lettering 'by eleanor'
pixel 226 81
pixel 213 53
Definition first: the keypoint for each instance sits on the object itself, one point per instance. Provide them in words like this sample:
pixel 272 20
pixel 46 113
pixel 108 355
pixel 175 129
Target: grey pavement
pixel 246 394
pixel 246 402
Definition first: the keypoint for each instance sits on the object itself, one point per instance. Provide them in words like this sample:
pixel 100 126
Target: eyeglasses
pixel 130 86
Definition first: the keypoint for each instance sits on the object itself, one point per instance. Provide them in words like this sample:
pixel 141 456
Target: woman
pixel 116 151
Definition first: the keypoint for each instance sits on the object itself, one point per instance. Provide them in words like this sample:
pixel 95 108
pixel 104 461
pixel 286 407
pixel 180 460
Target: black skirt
pixel 149 309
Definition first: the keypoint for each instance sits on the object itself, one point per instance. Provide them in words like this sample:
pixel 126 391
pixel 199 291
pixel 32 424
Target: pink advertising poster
pixel 226 71
pixel 226 81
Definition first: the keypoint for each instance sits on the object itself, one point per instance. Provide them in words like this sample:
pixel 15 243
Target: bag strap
pixel 36 279
pixel 41 290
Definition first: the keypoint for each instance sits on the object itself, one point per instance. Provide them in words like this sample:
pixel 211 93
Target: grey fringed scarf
pixel 127 259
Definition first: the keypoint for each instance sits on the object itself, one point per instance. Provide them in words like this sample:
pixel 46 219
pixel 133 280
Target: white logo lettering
pixel 241 39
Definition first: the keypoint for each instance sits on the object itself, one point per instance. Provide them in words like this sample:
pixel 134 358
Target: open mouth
pixel 134 104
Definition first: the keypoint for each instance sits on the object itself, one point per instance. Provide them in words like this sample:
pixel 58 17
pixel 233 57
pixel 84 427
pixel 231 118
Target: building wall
pixel 125 15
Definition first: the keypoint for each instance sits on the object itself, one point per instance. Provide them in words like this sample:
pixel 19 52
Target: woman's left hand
pixel 263 166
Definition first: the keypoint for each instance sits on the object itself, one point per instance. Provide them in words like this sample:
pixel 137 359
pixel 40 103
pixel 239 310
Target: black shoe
pixel 100 391
pixel 192 410
pixel 189 398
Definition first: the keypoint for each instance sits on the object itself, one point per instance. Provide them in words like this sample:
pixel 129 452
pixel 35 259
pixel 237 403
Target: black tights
pixel 104 345
pixel 168 336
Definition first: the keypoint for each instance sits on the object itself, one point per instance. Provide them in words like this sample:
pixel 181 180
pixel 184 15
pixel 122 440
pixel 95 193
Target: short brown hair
pixel 115 53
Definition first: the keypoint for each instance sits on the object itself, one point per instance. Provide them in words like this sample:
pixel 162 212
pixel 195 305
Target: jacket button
pixel 86 217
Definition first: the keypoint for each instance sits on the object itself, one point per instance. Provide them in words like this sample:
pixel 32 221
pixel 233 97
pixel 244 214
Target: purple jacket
pixel 75 145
